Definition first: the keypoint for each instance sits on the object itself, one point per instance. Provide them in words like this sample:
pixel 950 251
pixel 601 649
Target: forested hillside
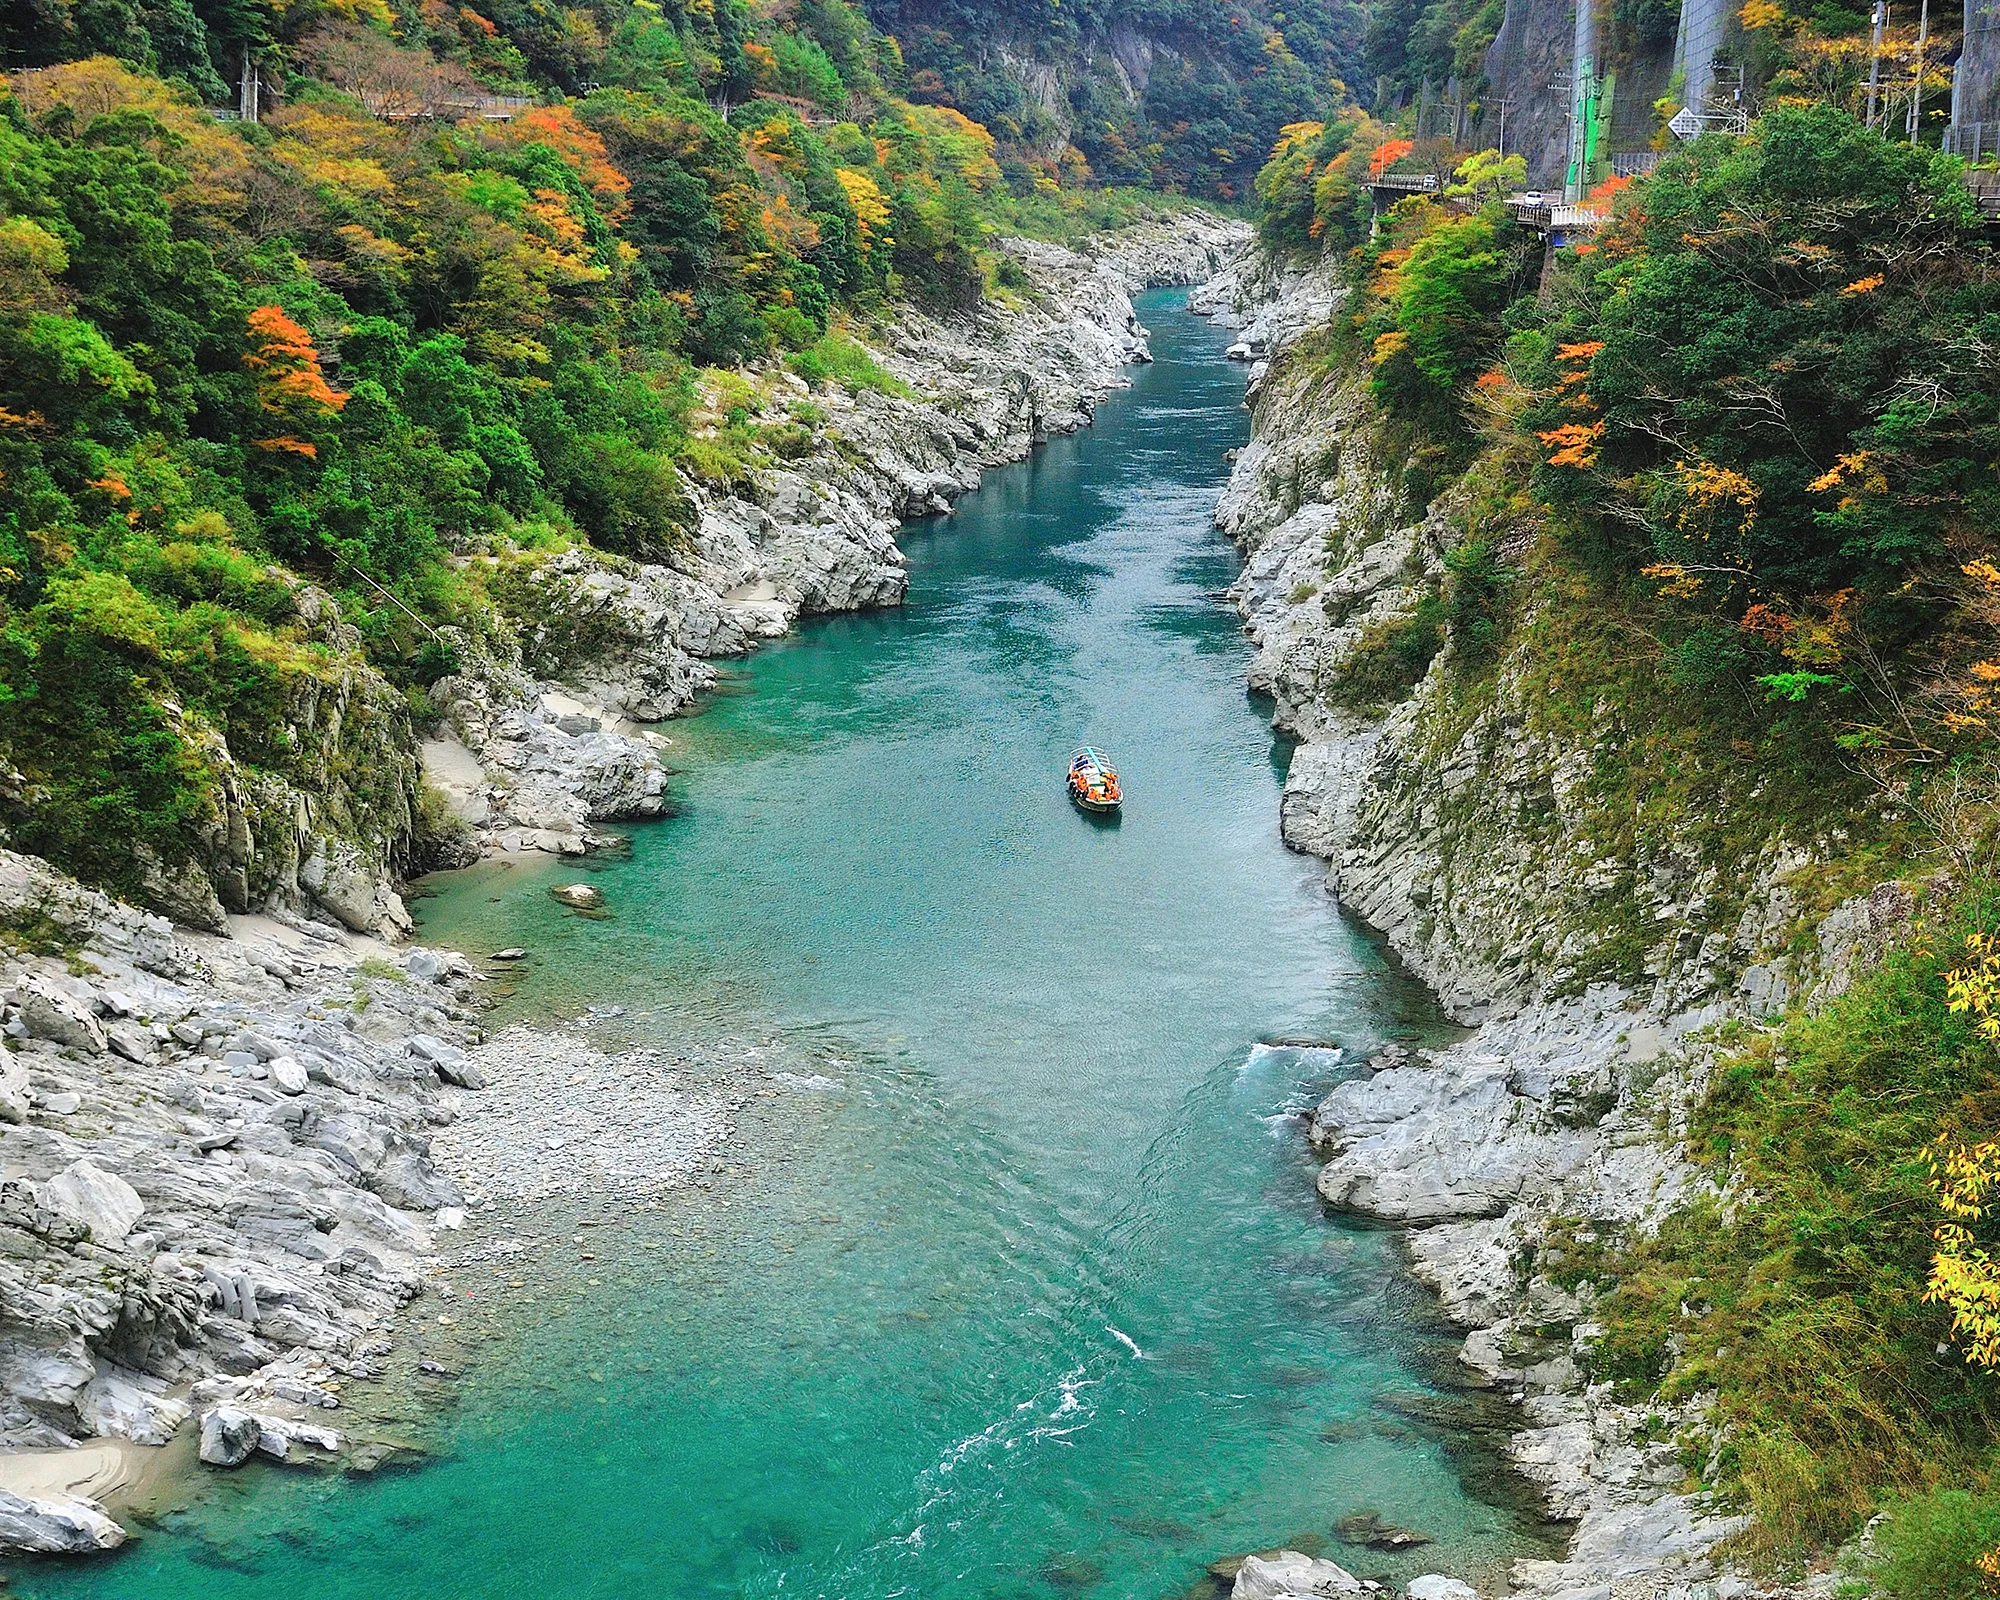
pixel 1726 474
pixel 451 287
pixel 1178 96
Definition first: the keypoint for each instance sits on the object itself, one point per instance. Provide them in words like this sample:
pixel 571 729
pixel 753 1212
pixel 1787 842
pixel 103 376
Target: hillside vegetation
pixel 474 281
pixel 1176 96
pixel 1733 467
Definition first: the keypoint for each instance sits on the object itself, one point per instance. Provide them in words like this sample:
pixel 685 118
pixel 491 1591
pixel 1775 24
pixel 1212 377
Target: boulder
pixel 48 1013
pixel 408 1181
pixel 132 1042
pixel 62 1526
pixel 1435 1586
pixel 102 1201
pixel 579 896
pixel 279 1437
pixel 229 1435
pixel 289 1076
pixel 462 1073
pixel 448 1061
pixel 1291 1573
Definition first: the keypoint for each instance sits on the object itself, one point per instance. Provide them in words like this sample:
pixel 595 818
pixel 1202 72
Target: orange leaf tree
pixel 291 385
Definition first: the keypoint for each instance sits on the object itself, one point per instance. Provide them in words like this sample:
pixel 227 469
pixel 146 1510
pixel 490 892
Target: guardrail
pixel 1556 218
pixel 1406 182
pixel 487 107
pixel 1974 141
pixel 1985 187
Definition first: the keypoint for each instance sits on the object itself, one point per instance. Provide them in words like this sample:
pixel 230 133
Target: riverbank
pixel 235 1156
pixel 537 747
pixel 1596 962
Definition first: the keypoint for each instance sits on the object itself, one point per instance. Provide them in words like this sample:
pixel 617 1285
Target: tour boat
pixel 1092 783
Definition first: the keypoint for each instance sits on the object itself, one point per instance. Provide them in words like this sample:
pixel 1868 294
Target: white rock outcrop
pixel 1435 1586
pixel 1291 1575
pixel 65 1526
pixel 230 1435
pixel 251 1179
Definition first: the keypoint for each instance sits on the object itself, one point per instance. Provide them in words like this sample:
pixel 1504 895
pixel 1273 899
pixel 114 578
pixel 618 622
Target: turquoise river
pixel 1019 1287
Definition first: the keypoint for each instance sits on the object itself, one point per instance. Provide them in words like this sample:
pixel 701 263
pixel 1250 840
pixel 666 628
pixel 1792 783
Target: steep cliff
pixel 1182 97
pixel 1589 873
pixel 1529 66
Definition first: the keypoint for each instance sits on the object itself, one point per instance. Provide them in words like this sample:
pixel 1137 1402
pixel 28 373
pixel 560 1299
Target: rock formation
pixel 1472 834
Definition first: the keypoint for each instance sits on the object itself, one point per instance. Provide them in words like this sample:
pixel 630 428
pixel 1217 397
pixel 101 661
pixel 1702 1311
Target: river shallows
pixel 1018 1287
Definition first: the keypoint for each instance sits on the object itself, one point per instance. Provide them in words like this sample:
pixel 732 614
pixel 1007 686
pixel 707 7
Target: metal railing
pixel 1985 187
pixel 1556 216
pixel 489 107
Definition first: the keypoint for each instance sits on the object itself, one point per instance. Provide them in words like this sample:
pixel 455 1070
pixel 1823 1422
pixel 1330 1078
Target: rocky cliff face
pixel 1528 67
pixel 541 741
pixel 1486 832
pixel 318 805
pixel 217 1158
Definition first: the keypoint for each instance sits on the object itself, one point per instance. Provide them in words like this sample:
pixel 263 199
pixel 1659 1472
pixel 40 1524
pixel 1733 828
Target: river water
pixel 1018 1288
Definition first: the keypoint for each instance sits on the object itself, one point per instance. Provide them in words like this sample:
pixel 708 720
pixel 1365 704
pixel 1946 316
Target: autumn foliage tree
pixel 1769 385
pixel 291 386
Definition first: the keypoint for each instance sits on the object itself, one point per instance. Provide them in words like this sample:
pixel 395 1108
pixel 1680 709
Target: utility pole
pixel 1503 105
pixel 1917 84
pixel 1881 20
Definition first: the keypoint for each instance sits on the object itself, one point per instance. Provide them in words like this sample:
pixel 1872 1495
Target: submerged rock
pixel 579 896
pixel 1368 1530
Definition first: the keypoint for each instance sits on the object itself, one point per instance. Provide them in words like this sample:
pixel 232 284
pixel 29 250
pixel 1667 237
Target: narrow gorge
pixel 797 1094
pixel 582 1011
